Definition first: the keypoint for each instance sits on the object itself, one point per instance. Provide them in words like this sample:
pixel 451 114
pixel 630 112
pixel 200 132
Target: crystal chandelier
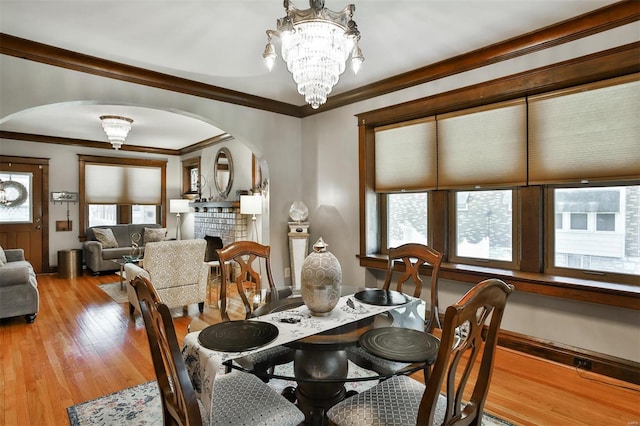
pixel 117 128
pixel 316 43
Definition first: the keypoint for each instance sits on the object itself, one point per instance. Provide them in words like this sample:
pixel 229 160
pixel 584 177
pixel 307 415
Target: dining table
pixel 320 364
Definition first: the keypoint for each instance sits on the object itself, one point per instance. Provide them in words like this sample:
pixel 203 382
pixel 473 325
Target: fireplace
pixel 220 219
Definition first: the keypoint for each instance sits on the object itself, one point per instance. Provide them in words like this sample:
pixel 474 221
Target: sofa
pixel 18 286
pixel 177 271
pixel 107 243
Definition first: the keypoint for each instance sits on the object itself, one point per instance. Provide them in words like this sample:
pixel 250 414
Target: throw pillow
pixel 3 257
pixel 105 237
pixel 152 235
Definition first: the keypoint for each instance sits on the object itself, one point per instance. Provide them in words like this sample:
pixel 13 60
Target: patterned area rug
pixel 113 290
pixel 141 406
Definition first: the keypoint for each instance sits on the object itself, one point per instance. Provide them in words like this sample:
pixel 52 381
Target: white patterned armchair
pixel 177 271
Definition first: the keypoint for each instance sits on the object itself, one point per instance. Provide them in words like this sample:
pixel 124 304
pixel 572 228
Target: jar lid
pixel 320 246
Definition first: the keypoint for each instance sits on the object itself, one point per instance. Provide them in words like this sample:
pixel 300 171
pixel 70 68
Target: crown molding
pixel 83 143
pixel 588 24
pixel 603 19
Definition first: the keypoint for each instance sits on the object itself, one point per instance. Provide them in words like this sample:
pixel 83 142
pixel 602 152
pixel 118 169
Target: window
pixel 112 214
pixel 18 194
pixel 407 218
pixel 578 221
pixel 117 190
pixel 103 214
pixel 191 176
pixel 484 225
pixel 144 214
pixel 492 186
pixel 559 221
pixel 194 178
pixel 604 232
pixel 605 222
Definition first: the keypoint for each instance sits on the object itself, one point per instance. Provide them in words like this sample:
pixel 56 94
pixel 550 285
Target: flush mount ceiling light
pixel 316 44
pixel 117 128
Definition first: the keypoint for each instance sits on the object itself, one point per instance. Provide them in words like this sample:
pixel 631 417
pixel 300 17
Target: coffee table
pixel 121 262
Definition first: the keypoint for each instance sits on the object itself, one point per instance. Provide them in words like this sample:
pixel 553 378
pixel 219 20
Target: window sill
pixel 613 294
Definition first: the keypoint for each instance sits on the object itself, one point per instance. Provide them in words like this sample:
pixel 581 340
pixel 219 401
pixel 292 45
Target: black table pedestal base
pixel 314 398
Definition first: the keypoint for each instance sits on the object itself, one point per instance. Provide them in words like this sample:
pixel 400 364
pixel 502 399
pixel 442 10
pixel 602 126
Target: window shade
pixel 106 184
pixel 405 156
pixel 588 132
pixel 484 146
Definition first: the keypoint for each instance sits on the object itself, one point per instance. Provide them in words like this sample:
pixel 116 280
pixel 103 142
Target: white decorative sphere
pixel 298 211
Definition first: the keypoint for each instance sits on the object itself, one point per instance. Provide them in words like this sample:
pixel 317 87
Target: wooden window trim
pixel 613 294
pixel 187 165
pixel 611 63
pixel 83 160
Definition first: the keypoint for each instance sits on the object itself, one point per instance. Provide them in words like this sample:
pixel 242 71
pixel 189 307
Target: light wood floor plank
pixel 83 345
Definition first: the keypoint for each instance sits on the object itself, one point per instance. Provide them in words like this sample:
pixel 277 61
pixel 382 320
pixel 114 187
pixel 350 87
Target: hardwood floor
pixel 84 345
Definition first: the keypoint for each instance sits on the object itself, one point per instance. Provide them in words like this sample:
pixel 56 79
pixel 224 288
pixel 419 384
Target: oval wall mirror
pixel 223 172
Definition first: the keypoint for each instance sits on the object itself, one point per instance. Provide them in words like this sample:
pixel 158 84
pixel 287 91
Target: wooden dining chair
pixel 179 403
pixel 249 257
pixel 238 398
pixel 464 342
pixel 409 258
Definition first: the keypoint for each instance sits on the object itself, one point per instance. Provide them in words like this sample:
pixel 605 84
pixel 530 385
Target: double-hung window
pixel 585 149
pixel 481 161
pixel 405 170
pixel 121 190
pixel 596 230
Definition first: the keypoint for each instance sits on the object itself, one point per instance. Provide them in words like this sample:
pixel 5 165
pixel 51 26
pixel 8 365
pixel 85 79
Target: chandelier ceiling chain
pixel 316 44
pixel 117 128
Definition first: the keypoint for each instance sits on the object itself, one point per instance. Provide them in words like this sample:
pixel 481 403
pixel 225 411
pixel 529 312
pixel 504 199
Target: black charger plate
pixel 401 344
pixel 382 297
pixel 237 336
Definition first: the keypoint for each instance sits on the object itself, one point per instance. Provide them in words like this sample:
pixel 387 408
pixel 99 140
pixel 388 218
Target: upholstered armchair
pixel 18 286
pixel 177 270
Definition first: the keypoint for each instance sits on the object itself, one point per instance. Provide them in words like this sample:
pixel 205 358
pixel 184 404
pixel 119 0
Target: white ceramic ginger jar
pixel 321 280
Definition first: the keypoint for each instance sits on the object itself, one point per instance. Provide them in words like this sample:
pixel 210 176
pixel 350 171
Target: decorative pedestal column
pixel 298 249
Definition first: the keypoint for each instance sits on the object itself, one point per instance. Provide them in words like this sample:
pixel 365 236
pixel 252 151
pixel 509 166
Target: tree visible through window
pixel 407 218
pixel 484 225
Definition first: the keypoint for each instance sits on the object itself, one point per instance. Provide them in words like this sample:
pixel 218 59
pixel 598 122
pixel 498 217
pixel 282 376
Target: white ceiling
pixel 221 43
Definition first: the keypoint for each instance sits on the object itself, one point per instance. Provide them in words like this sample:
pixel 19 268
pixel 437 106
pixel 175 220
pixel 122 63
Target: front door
pixel 24 208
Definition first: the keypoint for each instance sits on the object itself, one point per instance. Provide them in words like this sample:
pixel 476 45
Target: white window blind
pixel 484 146
pixel 405 156
pixel 111 184
pixel 586 133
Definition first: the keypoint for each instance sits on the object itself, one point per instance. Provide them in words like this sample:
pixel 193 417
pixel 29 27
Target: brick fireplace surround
pixel 220 220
